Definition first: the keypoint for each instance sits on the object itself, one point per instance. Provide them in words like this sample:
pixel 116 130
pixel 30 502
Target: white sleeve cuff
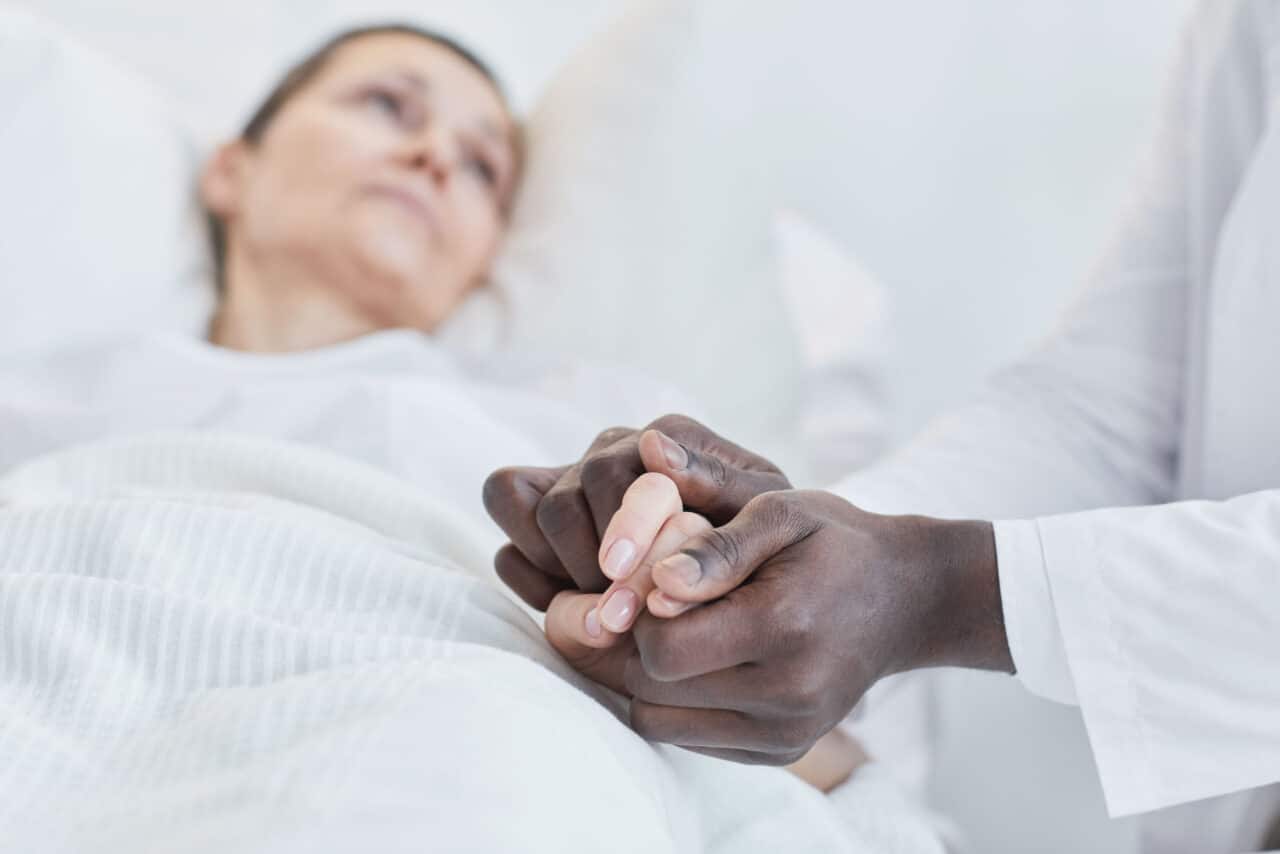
pixel 1030 622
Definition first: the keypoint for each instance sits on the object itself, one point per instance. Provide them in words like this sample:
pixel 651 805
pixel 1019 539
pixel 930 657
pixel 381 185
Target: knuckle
pixel 781 739
pixel 500 489
pixel 794 739
pixel 807 693
pixel 612 471
pixel 776 506
pixel 725 550
pixel 761 506
pixel 508 556
pixel 559 512
pixel 659 657
pixel 634 679
pixel 612 435
pixel 689 524
pixel 801 694
pixel 600 469
pixel 674 422
pixel 717 472
pixel 793 623
pixel 657 487
pixel 786 512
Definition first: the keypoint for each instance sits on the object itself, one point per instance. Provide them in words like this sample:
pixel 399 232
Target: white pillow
pixel 99 229
pixel 626 245
pixel 841 316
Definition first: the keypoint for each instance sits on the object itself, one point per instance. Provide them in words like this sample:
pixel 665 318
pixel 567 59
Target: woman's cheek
pixel 484 230
pixel 338 152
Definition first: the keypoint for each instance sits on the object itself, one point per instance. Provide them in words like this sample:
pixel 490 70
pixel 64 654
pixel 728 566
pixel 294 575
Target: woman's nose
pixel 431 155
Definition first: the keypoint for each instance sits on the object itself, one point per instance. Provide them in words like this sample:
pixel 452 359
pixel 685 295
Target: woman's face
pixel 387 176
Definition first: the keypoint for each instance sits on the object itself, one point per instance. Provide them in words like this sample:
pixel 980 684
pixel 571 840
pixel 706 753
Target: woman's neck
pixel 279 314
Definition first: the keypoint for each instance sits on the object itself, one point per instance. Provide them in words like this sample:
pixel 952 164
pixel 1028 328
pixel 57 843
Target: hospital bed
pixel 115 241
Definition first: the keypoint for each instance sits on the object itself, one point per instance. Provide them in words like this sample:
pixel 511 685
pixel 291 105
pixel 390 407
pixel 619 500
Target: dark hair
pixel 305 70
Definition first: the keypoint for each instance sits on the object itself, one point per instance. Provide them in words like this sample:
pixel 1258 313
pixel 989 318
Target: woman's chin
pixel 396 276
pixel 392 253
pixel 403 295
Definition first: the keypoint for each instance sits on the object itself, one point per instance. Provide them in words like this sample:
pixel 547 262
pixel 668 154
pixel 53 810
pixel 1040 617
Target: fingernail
pixel 617 561
pixel 593 623
pixel 676 456
pixel 616 613
pixel 685 568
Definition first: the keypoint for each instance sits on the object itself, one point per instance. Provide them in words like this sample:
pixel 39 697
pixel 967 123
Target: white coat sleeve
pixel 1170 618
pixel 1093 419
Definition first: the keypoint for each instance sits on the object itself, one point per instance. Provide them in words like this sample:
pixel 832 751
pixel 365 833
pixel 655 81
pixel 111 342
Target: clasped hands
pixel 742 618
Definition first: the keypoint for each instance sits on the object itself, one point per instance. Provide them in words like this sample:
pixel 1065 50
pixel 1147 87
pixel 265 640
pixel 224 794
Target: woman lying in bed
pixel 363 202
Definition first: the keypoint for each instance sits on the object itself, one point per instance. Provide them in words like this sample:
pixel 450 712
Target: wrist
pixel 963 621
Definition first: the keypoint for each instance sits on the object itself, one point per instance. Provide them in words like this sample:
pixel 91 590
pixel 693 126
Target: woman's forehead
pixel 438 68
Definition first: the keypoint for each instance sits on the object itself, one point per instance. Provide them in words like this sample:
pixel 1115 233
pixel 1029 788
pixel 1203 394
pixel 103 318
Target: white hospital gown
pixel 394 400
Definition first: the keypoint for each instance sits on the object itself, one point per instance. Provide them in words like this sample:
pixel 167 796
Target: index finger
pixel 511 496
pixel 646 506
pixel 625 600
pixel 722 634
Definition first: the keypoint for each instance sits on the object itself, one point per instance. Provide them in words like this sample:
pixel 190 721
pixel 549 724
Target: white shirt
pixel 1157 398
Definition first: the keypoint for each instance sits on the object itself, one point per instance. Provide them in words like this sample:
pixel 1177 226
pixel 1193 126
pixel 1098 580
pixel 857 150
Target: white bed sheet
pixel 218 643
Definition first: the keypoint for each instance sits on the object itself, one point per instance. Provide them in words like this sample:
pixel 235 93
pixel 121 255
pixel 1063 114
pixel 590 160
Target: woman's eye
pixel 484 170
pixel 387 102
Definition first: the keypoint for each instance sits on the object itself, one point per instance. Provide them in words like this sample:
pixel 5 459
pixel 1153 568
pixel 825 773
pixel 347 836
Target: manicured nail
pixel 593 623
pixel 617 612
pixel 684 568
pixel 676 456
pixel 618 560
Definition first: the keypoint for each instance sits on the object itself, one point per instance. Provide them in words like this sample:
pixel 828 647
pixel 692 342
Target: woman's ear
pixel 222 182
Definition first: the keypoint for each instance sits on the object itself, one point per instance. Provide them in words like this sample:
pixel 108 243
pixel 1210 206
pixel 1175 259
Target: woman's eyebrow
pixel 414 78
pixel 490 129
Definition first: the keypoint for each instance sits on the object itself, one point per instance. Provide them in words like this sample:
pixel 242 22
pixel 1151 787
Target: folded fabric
pixel 220 643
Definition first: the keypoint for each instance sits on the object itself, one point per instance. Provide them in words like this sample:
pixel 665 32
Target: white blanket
pixel 212 643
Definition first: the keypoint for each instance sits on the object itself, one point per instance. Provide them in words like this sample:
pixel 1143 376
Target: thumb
pixel 711 564
pixel 600 655
pixel 707 473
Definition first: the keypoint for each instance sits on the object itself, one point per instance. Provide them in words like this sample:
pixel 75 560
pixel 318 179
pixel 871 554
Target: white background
pixel 971 153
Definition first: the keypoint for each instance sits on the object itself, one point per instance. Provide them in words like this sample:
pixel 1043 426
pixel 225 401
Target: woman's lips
pixel 411 201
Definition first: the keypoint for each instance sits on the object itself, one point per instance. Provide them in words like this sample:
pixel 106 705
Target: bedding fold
pixel 211 642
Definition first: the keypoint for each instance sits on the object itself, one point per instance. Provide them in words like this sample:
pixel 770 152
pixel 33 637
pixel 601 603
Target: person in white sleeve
pixel 1126 479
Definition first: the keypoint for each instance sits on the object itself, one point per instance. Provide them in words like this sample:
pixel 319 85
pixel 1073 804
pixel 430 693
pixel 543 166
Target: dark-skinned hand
pixel 788 611
pixel 555 517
